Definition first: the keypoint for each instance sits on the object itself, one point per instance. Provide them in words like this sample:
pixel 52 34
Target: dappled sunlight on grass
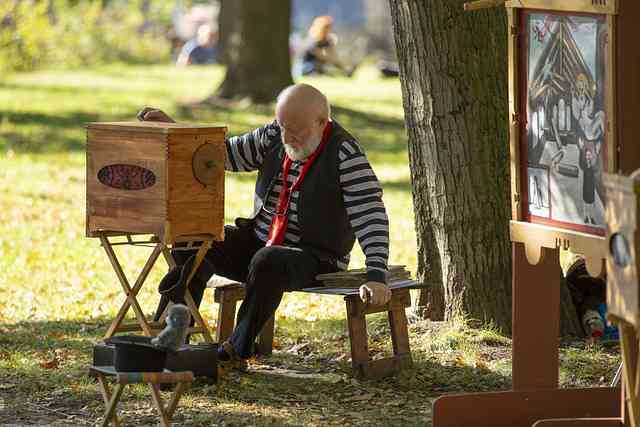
pixel 51 271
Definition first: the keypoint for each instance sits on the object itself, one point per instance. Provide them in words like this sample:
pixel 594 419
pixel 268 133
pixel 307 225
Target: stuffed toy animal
pixel 174 335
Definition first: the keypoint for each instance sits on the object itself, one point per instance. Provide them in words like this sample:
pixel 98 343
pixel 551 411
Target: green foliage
pixel 70 34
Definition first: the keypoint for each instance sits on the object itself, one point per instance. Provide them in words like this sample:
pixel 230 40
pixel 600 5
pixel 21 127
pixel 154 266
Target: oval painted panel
pixel 126 177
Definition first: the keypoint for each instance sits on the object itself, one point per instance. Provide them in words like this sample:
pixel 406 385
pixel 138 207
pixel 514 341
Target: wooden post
pixel 536 320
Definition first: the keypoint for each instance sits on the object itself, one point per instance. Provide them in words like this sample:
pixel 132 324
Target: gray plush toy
pixel 174 335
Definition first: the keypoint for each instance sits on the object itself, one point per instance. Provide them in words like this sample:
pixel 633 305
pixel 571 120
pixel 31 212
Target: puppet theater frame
pixel 535 398
pixel 165 180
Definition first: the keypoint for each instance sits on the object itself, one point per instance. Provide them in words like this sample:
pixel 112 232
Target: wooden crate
pixel 165 179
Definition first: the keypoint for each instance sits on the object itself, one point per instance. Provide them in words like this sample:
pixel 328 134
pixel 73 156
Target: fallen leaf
pixel 51 364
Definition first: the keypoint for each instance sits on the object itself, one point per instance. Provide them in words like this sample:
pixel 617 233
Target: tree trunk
pixel 453 68
pixel 256 49
pixel 226 18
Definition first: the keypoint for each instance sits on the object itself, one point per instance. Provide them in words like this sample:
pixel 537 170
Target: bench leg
pixel 226 317
pixel 399 331
pixel 357 325
pixel 264 346
pixel 363 368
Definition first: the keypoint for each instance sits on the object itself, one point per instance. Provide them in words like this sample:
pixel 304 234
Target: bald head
pixel 302 112
pixel 303 99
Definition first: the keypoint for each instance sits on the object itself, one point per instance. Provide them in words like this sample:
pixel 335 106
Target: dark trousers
pixel 267 272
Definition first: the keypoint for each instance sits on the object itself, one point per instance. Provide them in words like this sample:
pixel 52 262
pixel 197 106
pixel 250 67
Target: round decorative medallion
pixel 204 164
pixel 619 247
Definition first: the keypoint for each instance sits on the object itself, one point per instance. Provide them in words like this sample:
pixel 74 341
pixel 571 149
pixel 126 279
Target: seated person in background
pixel 587 294
pixel 320 49
pixel 315 195
pixel 201 49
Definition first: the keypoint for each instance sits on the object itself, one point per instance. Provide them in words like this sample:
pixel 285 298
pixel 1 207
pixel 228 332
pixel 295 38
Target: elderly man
pixel 315 194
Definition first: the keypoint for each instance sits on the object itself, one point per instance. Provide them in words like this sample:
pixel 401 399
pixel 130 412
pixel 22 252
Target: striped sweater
pixel 361 192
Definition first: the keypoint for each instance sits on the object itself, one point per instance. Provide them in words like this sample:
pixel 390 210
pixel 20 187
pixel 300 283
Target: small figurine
pixel 174 335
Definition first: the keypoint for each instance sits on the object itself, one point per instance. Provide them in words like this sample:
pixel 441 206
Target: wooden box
pixel 165 179
pixel 623 292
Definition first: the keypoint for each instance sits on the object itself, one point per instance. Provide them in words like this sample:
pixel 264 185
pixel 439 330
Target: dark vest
pixel 322 216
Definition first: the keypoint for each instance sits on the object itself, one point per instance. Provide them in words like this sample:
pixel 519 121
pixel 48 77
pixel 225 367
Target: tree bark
pixel 453 68
pixel 256 49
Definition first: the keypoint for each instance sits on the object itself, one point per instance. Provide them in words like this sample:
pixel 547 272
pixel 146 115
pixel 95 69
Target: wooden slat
pixel 524 408
pixel 127 206
pixel 580 422
pixel 514 113
pixel 156 127
pixel 629 351
pixel 376 369
pixel 566 5
pixel 154 326
pixel 134 225
pixel 116 147
pixel 627 85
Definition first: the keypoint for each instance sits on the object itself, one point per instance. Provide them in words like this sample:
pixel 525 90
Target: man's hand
pixel 375 293
pixel 150 114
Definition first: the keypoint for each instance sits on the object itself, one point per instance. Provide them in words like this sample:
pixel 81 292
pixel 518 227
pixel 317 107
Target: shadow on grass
pixel 310 385
pixel 44 133
pixel 34 132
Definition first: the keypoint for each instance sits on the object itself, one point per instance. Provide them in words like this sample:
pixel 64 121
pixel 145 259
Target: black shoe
pixel 586 220
pixel 173 285
pixel 228 357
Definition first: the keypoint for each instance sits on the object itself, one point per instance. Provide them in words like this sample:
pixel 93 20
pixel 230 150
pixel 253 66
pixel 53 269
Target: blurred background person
pixel 200 50
pixel 320 49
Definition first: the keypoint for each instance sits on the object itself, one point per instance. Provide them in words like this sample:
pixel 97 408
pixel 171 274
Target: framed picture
pixel 563 79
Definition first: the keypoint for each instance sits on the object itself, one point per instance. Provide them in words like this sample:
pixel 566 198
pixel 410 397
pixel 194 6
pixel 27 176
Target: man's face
pixel 300 135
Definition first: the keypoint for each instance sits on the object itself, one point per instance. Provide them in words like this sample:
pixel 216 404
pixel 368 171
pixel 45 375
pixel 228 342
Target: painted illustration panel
pixel 563 78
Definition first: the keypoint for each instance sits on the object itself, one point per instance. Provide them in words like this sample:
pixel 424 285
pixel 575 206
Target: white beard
pixel 305 150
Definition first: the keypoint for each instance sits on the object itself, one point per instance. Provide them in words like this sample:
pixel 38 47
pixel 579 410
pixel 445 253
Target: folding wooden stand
pixel 153 379
pixel 203 243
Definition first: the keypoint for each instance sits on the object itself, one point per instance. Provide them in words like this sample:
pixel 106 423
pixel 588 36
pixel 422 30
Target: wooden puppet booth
pixel 574 98
pixel 166 181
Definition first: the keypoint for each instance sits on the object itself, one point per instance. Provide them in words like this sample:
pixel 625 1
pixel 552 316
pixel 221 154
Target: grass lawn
pixel 58 291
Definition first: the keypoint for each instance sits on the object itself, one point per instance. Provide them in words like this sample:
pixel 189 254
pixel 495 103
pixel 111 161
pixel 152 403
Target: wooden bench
pixel 227 296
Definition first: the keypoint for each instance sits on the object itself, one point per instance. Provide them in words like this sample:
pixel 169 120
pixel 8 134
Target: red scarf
pixel 280 219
